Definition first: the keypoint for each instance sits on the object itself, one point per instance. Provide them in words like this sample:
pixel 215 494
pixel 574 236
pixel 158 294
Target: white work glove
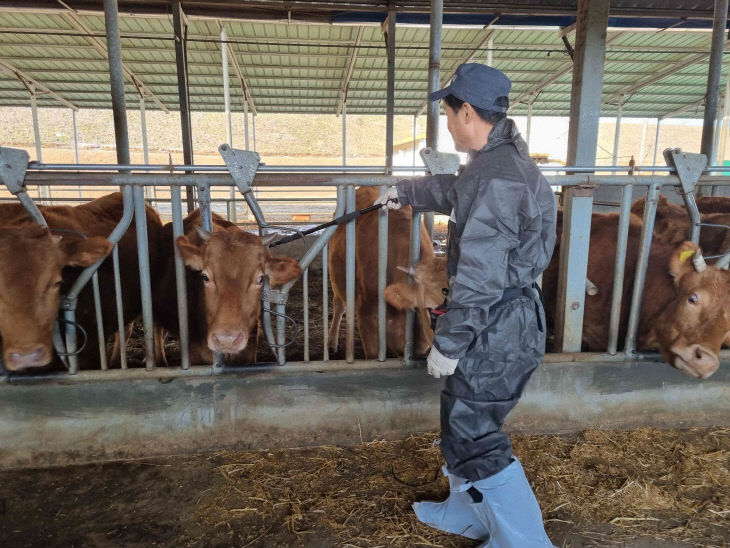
pixel 389 199
pixel 439 365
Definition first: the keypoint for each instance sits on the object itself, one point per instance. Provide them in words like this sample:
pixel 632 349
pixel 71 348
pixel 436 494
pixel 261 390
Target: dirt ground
pixel 644 488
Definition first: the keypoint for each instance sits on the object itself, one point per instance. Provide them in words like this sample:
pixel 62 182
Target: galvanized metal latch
pixel 689 166
pixel 273 296
pixel 13 165
pixel 242 164
pixel 440 163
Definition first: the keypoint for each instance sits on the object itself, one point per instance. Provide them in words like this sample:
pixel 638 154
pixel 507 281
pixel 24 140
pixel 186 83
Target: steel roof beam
pixel 661 75
pixel 73 19
pixel 348 72
pixel 568 67
pixel 35 84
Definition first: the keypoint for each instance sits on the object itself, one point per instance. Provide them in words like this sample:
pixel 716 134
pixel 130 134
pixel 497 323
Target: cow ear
pixel 191 254
pixel 681 261
pixel 85 252
pixel 400 296
pixel 282 269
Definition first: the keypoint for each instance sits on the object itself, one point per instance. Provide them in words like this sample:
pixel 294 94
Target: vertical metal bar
pixel 180 277
pixel 716 142
pixel 245 122
pixel 713 78
pixel 76 137
pixel 305 298
pixel 350 278
pixel 585 106
pixel 76 147
pixel 253 129
pixel 382 277
pixel 344 134
pixel 99 321
pixel 325 303
pixel 642 264
pixel 43 190
pixel 434 72
pixel 573 267
pixel 181 58
pixel 145 279
pixel 415 144
pixel 490 52
pixel 150 191
pixel 227 109
pixel 620 264
pixel 642 145
pixel 73 361
pixel 617 133
pixel 206 222
pixel 413 256
pixel 116 80
pixel 529 121
pixel 390 93
pixel 281 333
pixel 656 140
pixel 120 310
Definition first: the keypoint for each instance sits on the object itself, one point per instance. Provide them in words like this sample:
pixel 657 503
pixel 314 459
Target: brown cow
pixel 683 314
pixel 224 282
pixel 32 281
pixel 713 204
pixel 366 278
pixel 684 311
pixel 672 225
pixel 428 289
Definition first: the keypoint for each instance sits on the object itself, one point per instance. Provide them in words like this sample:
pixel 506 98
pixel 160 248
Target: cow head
pixel 427 290
pixel 232 264
pixel 691 329
pixel 31 261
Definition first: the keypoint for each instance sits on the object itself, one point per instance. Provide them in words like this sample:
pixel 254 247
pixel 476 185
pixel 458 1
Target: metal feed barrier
pixel 55 419
pixel 243 169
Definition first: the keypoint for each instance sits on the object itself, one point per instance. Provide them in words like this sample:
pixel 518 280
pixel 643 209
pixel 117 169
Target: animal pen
pixel 133 412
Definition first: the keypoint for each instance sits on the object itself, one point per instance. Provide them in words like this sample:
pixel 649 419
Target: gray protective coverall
pixel 501 237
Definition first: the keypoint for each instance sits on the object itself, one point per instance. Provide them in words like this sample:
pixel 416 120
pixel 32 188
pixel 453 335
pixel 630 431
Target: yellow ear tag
pixel 684 255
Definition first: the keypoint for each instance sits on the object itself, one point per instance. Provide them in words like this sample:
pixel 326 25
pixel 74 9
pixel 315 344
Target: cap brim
pixel 440 94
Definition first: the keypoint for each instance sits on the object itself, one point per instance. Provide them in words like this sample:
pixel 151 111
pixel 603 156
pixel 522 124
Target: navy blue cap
pixel 479 85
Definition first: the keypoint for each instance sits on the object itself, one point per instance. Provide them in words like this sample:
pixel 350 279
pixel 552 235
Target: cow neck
pixel 659 289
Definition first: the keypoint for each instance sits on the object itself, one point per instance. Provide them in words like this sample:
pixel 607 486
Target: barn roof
pixel 302 56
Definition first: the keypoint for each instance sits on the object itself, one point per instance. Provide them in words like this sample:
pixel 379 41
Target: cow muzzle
pixel 695 360
pixel 227 341
pixel 19 359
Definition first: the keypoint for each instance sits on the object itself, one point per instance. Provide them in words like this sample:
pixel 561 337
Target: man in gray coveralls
pixel 491 336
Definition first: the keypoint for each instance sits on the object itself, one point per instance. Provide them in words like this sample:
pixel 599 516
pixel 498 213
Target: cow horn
pixel 591 289
pixel 699 261
pixel 268 238
pixel 408 270
pixel 204 234
pixel 724 261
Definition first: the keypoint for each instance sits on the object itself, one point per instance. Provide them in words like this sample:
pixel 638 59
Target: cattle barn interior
pixel 121 400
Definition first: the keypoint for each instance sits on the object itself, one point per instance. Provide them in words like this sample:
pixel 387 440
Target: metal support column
pixel 227 109
pixel 590 49
pixel 150 191
pixel 642 145
pixel 529 122
pixel 43 191
pixel 656 140
pixel 253 129
pixel 434 82
pixel 344 134
pixel 116 79
pixel 76 147
pixel 490 50
pixel 617 133
pixel 245 122
pixel 180 28
pixel 713 82
pixel 390 94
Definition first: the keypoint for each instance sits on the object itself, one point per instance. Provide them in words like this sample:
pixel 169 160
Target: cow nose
pixel 18 360
pixel 228 341
pixel 704 362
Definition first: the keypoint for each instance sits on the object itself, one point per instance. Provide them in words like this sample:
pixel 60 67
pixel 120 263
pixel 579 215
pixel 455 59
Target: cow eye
pixel 57 283
pixel 260 279
pixel 693 298
pixel 205 277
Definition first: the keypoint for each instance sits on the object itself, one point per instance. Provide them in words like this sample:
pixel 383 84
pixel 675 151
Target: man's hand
pixel 389 199
pixel 439 365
